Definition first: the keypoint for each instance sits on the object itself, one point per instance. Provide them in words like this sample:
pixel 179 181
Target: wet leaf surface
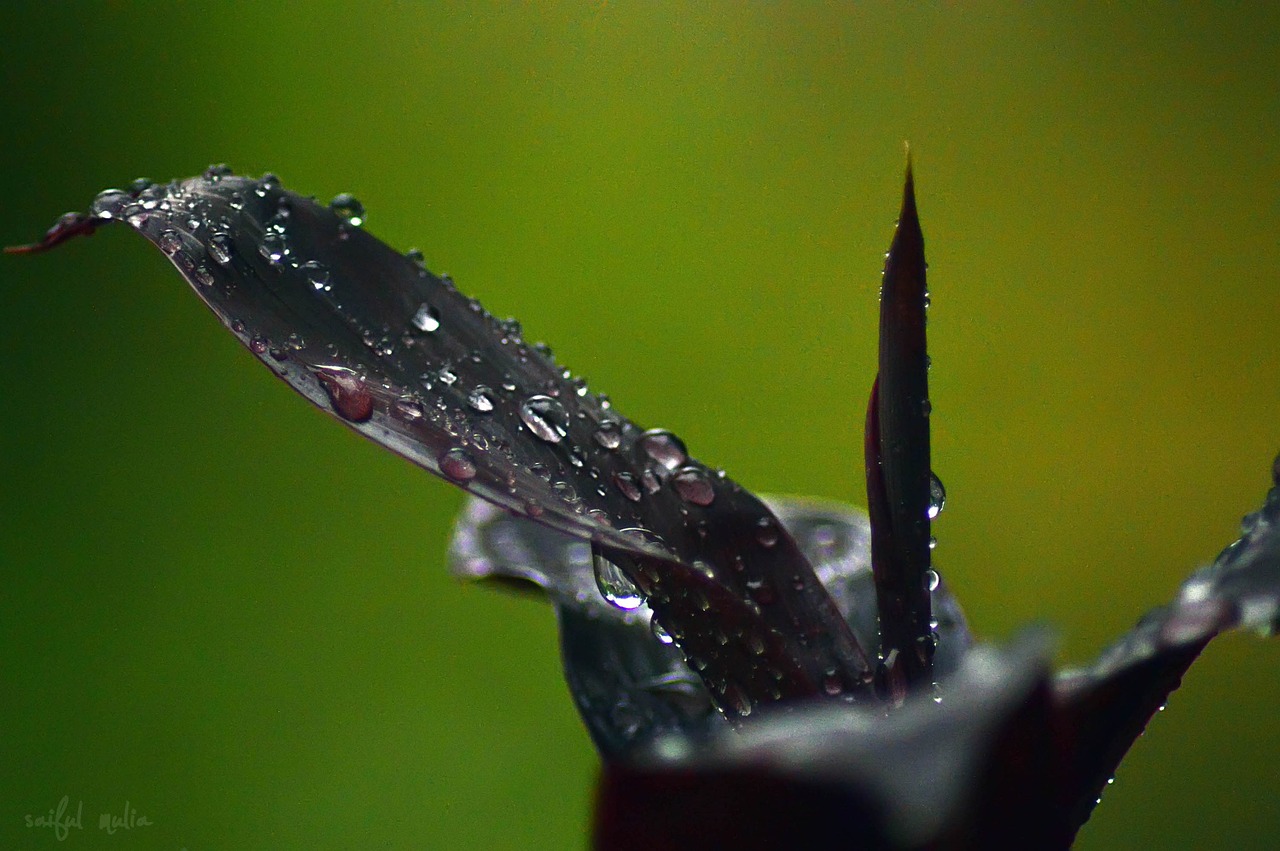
pixel 401 356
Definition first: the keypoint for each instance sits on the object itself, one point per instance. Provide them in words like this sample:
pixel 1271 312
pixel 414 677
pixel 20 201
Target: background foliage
pixel 234 614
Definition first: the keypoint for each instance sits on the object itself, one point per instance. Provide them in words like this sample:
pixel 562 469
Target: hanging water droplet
pixel 317 275
pixel 664 447
pixel 933 542
pixel 427 318
pixel 457 465
pixel 220 248
pixel 693 485
pixel 609 434
pixel 937 496
pixel 348 207
pixel 659 632
pixel 480 399
pixel 931 580
pixel 545 417
pixel 203 276
pixel 615 586
pixel 626 483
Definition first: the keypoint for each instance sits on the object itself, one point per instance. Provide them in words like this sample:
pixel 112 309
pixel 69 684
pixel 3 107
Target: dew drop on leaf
pixel 614 585
pixel 348 207
pixel 937 496
pixel 427 319
pixel 693 486
pixel 545 417
pixel 457 465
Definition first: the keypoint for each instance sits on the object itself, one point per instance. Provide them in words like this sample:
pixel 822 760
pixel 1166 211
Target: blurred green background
pixel 231 612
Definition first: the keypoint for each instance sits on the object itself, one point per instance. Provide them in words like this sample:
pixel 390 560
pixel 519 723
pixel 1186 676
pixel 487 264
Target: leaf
pixel 927 775
pixel 1104 708
pixel 399 355
pixel 629 687
pixel 897 462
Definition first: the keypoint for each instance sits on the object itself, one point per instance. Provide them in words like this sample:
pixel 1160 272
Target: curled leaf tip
pixel 68 226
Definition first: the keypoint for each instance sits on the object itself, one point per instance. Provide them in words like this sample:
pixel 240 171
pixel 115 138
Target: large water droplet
pixel 609 434
pixel 659 632
pixel 664 448
pixel 427 318
pixel 457 465
pixel 110 204
pixel 767 532
pixel 170 242
pixel 693 485
pixel 626 483
pixel 614 585
pixel 480 399
pixel 937 496
pixel 545 417
pixel 317 275
pixel 348 207
pixel 931 580
pixel 348 394
pixel 273 246
pixel 220 248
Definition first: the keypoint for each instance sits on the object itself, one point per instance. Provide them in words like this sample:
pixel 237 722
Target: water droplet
pixel 216 172
pixel 203 276
pixel 259 345
pixel 609 434
pixel 273 246
pixel 937 497
pixel 615 586
pixel 268 183
pixel 170 242
pixel 664 447
pixel 427 318
pixel 140 185
pixel 220 248
pixel 348 394
pixel 545 417
pixel 480 399
pixel 626 484
pixel 931 580
pixel 659 632
pixel 348 207
pixel 317 275
pixel 236 201
pixel 766 532
pixel 933 542
pixel 457 465
pixel 110 204
pixel 831 683
pixel 926 407
pixel 693 485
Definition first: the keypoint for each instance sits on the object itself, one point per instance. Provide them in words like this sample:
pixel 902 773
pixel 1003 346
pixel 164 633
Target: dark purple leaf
pixel 897 463
pixel 853 777
pixel 402 357
pixel 1105 707
pixel 629 685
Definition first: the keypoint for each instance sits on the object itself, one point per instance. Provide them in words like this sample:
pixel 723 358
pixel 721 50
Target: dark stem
pixel 897 461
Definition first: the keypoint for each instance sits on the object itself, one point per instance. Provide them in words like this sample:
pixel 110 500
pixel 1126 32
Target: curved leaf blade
pixel 400 356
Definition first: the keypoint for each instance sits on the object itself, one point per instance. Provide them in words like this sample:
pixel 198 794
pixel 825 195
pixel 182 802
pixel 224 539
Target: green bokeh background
pixel 232 612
